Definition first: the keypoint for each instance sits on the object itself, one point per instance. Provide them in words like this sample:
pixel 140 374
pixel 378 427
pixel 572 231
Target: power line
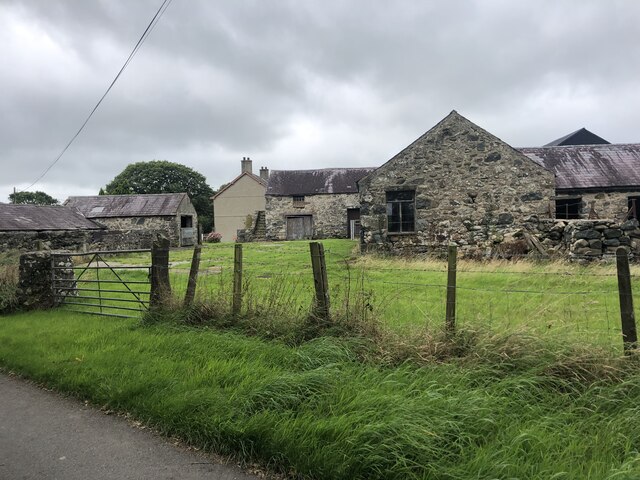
pixel 141 40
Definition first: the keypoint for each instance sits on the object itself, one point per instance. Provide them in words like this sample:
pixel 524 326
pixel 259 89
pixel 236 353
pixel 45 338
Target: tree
pixel 160 176
pixel 32 198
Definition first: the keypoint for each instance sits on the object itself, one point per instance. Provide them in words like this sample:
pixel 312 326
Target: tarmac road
pixel 46 436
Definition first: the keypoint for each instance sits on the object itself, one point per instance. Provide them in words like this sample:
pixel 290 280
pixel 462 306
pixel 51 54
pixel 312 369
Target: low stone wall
pixel 37 272
pixel 572 239
pixel 77 240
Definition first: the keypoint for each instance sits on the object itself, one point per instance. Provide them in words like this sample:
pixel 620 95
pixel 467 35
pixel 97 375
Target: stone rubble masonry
pixel 36 275
pixel 328 211
pixel 606 205
pixel 470 187
pixel 168 226
pixel 77 240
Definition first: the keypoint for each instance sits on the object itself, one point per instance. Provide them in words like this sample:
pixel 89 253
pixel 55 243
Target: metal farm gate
pixel 101 285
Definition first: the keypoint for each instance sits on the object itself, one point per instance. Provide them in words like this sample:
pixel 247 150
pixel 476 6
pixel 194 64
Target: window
pixel 633 203
pixel 298 201
pixel 568 208
pixel 401 211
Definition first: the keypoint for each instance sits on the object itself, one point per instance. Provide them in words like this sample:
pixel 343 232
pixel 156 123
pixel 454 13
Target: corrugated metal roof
pixel 315 182
pixel 590 166
pixel 42 217
pixel 147 205
pixel 579 137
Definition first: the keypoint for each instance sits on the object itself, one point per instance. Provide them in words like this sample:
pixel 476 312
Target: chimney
pixel 264 173
pixel 246 165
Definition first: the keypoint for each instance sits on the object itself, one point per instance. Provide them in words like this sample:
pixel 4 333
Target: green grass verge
pixel 315 410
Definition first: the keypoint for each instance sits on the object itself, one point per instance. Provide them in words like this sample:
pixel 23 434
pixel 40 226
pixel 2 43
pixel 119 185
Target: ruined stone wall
pixel 329 214
pixel 470 188
pixel 37 272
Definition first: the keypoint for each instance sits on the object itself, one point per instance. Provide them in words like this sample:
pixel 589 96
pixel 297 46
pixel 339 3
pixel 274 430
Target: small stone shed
pixel 595 181
pixel 170 214
pixel 30 227
pixel 456 183
pixel 305 204
pixel 239 199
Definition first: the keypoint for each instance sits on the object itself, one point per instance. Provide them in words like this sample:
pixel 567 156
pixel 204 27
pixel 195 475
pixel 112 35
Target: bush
pixel 213 237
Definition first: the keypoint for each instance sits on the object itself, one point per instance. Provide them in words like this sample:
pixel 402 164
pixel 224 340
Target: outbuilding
pixel 169 214
pixel 306 204
pixel 33 227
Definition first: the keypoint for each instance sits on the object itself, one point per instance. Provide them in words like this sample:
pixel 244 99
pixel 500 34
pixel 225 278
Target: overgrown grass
pixel 9 262
pixel 558 301
pixel 315 410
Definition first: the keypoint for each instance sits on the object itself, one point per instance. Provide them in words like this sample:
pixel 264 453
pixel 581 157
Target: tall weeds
pixel 8 287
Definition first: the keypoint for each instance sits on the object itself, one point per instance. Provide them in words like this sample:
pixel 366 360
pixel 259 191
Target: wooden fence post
pixel 321 306
pixel 237 280
pixel 193 276
pixel 627 315
pixel 450 322
pixel 190 295
pixel 160 285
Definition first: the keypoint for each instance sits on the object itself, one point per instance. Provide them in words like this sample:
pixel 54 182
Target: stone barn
pixel 306 204
pixel 593 181
pixel 170 214
pixel 35 227
pixel 456 183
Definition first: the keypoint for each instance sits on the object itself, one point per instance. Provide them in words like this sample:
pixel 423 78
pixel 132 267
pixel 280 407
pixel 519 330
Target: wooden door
pixel 299 228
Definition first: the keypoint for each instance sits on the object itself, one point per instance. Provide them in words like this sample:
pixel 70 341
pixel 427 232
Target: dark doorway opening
pixel 353 223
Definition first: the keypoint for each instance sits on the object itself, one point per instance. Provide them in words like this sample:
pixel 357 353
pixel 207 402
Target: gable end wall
pixel 470 188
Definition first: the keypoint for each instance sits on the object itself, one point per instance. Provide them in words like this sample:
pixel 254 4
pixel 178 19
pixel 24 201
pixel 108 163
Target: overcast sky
pixel 300 84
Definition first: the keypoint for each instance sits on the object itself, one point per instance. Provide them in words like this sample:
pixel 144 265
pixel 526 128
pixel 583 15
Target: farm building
pixel 239 202
pixel 305 204
pixel 457 182
pixel 598 180
pixel 30 227
pixel 170 214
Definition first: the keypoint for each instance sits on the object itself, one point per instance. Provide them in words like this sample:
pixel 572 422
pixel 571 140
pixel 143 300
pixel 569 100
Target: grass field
pixel 558 300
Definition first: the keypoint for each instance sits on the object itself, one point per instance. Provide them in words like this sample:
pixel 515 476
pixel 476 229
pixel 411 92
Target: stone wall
pixel 328 211
pixel 470 188
pixel 562 239
pixel 37 271
pixel 169 226
pixel 77 240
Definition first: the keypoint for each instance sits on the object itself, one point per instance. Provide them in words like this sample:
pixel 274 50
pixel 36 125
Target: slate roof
pixel 315 182
pixel 147 205
pixel 612 166
pixel 42 217
pixel 579 137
